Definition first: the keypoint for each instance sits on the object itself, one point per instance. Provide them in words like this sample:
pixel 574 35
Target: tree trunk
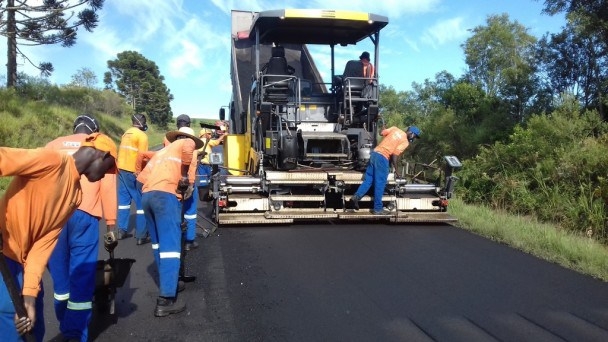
pixel 11 38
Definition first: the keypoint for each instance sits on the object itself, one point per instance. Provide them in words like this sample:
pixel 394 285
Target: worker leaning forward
pixel 43 194
pixel 73 263
pixel 133 141
pixel 169 174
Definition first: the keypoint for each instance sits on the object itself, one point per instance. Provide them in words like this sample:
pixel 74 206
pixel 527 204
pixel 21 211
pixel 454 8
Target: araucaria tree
pixel 45 22
pixel 140 82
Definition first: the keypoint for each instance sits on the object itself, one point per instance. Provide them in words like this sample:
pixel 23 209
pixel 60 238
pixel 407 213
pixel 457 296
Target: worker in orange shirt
pixel 395 141
pixel 73 263
pixel 133 141
pixel 43 194
pixel 169 174
pixel 191 203
pixel 368 68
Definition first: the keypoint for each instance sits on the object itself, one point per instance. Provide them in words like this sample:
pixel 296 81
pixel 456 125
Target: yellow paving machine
pixel 298 145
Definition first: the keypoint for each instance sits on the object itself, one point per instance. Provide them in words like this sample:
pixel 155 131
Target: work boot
pixel 122 234
pixel 166 306
pixel 190 245
pixel 181 286
pixel 146 239
pixel 354 202
pixel 381 212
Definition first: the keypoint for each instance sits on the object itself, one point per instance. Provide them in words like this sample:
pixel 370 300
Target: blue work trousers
pixel 376 174
pixel 191 214
pixel 129 190
pixel 72 266
pixel 163 217
pixel 8 332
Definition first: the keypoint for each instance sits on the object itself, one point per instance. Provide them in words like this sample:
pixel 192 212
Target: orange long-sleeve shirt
pixel 394 142
pixel 134 140
pixel 43 194
pixel 163 171
pixel 98 198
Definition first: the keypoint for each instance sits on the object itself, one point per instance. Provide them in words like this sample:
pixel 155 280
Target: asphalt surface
pixel 355 282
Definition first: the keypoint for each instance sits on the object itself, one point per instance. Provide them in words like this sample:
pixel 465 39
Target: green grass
pixel 545 241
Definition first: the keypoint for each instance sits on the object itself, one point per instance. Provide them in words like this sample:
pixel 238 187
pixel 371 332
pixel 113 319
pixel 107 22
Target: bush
pixel 553 168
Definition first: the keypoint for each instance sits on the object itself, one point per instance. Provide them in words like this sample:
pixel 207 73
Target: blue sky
pixel 189 40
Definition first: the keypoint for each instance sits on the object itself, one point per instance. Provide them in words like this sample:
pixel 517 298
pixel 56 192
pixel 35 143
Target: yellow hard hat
pixel 204 131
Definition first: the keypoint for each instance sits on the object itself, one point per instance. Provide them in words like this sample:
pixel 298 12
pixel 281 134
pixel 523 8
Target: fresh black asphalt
pixel 355 282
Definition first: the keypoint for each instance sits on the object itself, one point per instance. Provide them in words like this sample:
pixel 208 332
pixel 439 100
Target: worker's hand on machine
pixel 182 185
pixel 110 240
pixel 397 175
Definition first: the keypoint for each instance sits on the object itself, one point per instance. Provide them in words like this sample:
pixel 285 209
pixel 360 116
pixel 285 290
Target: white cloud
pixel 444 32
pixel 188 57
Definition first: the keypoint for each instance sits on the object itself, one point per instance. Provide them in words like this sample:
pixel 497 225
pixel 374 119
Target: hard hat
pixel 204 131
pixel 414 130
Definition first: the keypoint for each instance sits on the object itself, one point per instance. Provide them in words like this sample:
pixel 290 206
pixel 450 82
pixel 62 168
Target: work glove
pixel 182 185
pixel 110 241
pixel 189 192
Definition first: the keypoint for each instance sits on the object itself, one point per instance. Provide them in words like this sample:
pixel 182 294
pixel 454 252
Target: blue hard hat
pixel 414 130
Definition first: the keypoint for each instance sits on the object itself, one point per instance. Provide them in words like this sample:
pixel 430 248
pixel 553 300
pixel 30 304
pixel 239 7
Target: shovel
pixel 111 274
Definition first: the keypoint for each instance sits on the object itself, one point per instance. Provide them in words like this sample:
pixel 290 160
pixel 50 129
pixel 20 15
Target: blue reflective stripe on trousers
pixel 163 211
pixel 190 214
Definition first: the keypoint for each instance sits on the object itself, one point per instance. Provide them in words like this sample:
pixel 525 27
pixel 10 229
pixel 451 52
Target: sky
pixel 189 40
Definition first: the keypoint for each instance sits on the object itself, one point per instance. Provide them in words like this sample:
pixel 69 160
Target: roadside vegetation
pixel 36 112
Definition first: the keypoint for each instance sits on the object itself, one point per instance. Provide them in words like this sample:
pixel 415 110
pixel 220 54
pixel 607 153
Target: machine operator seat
pixel 275 83
pixel 351 78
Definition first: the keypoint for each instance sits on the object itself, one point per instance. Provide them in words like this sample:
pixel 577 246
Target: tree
pixel 576 60
pixel 591 16
pixel 84 78
pixel 43 23
pixel 140 82
pixel 501 58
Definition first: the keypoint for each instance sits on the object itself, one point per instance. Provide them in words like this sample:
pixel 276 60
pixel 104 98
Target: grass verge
pixel 545 241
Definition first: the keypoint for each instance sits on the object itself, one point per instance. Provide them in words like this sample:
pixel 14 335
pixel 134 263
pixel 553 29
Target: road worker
pixel 167 179
pixel 191 209
pixel 393 143
pixel 133 141
pixel 41 197
pixel 73 263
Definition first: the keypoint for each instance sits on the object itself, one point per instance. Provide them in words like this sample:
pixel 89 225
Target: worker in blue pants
pixel 168 180
pixel 191 215
pixel 72 267
pixel 190 204
pixel 73 263
pixel 133 141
